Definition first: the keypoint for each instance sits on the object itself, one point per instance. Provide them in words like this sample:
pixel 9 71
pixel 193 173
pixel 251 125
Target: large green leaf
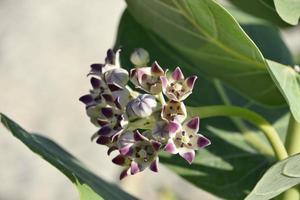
pixel 90 186
pixel 288 10
pixel 231 160
pixel 206 35
pixel 288 81
pixel 264 9
pixel 280 177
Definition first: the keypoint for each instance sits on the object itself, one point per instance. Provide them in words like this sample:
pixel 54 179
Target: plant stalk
pixel 254 118
pixel 292 144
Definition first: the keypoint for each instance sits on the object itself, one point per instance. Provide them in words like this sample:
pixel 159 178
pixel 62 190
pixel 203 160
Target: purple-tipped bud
pixel 140 57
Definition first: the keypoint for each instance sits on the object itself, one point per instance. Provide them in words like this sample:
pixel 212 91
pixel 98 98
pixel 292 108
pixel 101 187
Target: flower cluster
pixel 140 123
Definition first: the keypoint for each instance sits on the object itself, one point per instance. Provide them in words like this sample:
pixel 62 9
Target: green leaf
pixel 288 81
pixel 231 160
pixel 208 37
pixel 263 9
pixel 229 168
pixel 88 184
pixel 288 10
pixel 280 177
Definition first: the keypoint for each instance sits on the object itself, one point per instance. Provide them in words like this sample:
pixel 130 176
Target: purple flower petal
pixel 177 74
pixel 170 147
pixel 173 128
pixel 203 141
pixel 194 124
pixel 156 69
pixel 190 81
pixel 154 165
pixel 156 145
pixel 86 99
pixel 119 160
pixel 164 82
pixel 188 155
pixel 134 168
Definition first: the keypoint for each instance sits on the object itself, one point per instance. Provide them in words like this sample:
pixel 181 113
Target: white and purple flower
pixel 148 78
pixel 142 150
pixel 185 139
pixel 176 87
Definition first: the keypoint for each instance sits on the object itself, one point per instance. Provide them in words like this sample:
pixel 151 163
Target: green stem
pixel 292 141
pixel 161 98
pixel 249 135
pixel 233 111
pixel 292 144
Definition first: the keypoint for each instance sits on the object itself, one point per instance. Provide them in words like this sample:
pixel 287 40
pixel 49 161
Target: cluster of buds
pixel 140 123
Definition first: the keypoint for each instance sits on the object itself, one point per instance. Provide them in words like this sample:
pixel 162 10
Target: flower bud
pixel 140 57
pixel 142 106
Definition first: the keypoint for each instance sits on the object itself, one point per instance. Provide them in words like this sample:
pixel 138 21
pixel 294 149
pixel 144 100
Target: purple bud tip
pixel 105 130
pixel 97 67
pixel 107 112
pixel 86 99
pixel 110 56
pixel 154 166
pixel 123 174
pixel 119 160
pixel 95 82
pixel 103 140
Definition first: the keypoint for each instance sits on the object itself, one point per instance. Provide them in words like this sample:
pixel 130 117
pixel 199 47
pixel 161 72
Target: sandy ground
pixel 45 51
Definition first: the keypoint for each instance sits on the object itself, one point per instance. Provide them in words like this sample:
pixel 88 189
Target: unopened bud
pixel 142 106
pixel 140 57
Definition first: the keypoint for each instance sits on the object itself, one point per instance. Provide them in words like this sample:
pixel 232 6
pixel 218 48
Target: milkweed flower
pixel 138 124
pixel 176 87
pixel 148 78
pixel 185 139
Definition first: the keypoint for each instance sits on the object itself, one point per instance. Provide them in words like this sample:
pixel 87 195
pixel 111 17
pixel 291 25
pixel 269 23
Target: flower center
pixel 185 139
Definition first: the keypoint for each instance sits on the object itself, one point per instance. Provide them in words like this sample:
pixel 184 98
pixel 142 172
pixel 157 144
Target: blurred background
pixel 46 48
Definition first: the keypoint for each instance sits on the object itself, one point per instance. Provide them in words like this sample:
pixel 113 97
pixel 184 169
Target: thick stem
pixel 233 111
pixel 292 141
pixel 292 144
